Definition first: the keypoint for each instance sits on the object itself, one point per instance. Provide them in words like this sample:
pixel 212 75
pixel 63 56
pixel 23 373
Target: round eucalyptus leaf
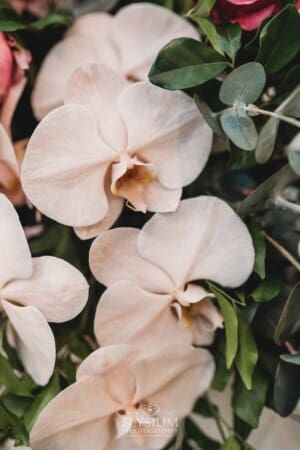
pixel 294 160
pixel 240 129
pixel 245 84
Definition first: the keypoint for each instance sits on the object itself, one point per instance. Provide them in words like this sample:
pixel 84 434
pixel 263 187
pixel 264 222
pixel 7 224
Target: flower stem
pixel 264 112
pixel 283 251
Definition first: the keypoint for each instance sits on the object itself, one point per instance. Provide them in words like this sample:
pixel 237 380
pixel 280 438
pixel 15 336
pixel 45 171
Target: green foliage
pixel 279 40
pixel 267 289
pixel 286 387
pixel 260 249
pixel 248 404
pixel 248 353
pixel 231 444
pixel 289 322
pixel 185 63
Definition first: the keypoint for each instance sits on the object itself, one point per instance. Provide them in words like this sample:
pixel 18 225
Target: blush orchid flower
pixel 33 292
pixel 120 390
pixel 10 183
pixel 151 274
pixel 127 43
pixel 113 141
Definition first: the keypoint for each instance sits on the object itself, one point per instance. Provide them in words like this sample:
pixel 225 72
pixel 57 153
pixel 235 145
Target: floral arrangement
pixel 149 221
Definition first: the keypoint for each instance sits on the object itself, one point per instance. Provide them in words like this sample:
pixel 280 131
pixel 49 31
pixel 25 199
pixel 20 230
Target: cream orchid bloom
pixel 121 391
pixel 127 43
pixel 33 292
pixel 113 141
pixel 151 273
pixel 10 183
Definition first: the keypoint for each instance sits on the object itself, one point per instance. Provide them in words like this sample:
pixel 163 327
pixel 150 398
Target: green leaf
pixel 248 404
pixel 260 249
pixel 248 354
pixel 185 63
pixel 231 444
pixel 244 84
pixel 222 374
pixel 210 117
pixel 230 39
pixel 58 17
pixel 208 28
pixel 205 408
pixel 286 388
pixel 41 400
pixel 9 20
pixel 202 9
pixel 230 323
pixel 289 322
pixel 279 40
pixel 292 359
pixel 11 382
pixel 264 194
pixel 240 129
pixel 9 421
pixel 267 289
pixel 197 439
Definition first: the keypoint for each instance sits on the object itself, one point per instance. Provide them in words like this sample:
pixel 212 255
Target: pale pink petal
pixel 203 239
pixel 56 288
pixel 192 294
pixel 48 92
pixel 113 364
pixel 35 341
pixel 127 314
pixel 173 377
pixel 140 30
pixel 98 88
pixel 165 128
pixel 160 199
pixel 11 101
pixel 114 257
pixel 67 159
pixel 15 257
pixel 115 207
pixel 78 418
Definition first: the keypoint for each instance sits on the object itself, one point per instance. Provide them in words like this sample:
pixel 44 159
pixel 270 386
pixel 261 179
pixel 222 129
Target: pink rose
pixel 249 14
pixel 14 60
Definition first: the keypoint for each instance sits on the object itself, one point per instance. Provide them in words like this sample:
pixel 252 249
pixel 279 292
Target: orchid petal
pixel 203 239
pixel 35 341
pixel 56 288
pixel 67 159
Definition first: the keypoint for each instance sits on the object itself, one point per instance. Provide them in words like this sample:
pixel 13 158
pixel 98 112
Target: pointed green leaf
pixel 279 39
pixel 231 444
pixel 286 388
pixel 289 322
pixel 185 63
pixel 260 249
pixel 267 289
pixel 230 39
pixel 248 354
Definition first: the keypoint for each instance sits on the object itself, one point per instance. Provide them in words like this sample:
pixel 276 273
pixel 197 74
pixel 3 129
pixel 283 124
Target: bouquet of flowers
pixel 149 221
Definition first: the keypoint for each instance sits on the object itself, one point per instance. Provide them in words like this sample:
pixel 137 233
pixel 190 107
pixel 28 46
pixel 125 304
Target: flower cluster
pixel 115 183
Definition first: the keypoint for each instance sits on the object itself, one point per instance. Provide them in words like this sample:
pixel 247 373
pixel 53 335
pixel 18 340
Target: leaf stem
pixel 264 112
pixel 217 418
pixel 283 251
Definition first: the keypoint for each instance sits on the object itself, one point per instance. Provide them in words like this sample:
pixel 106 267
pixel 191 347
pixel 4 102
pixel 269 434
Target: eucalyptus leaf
pixel 289 322
pixel 248 354
pixel 244 84
pixel 267 289
pixel 186 63
pixel 230 323
pixel 248 404
pixel 294 161
pixel 240 129
pixel 286 388
pixel 279 40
